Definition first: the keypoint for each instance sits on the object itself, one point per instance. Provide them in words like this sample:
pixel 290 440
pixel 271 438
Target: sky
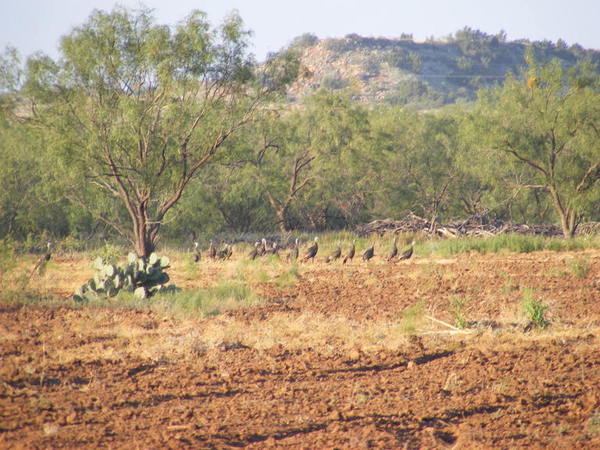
pixel 34 25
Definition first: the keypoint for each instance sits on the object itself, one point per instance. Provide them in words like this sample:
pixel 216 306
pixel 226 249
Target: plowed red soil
pixel 332 361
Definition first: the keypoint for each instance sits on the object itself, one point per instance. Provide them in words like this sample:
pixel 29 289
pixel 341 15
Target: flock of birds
pixel 262 248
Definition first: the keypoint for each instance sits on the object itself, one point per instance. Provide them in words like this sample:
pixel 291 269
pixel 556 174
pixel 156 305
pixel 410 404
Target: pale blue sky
pixel 32 25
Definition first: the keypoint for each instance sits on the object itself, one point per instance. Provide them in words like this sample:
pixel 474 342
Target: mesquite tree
pixel 542 132
pixel 134 110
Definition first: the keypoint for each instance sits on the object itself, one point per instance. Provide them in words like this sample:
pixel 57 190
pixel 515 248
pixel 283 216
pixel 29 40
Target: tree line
pixel 142 130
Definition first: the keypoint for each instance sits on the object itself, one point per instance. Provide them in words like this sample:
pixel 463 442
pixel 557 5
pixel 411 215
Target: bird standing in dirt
pixel 350 255
pixel 226 252
pixel 40 265
pixel 311 252
pixel 263 248
pixel 293 256
pixel 48 255
pixel 196 252
pixel 335 255
pixel 212 251
pixel 406 254
pixel 254 252
pixel 393 250
pixel 369 253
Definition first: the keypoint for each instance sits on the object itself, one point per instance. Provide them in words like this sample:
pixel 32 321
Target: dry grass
pixel 167 334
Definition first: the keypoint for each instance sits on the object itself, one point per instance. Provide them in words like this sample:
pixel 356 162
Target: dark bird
pixel 350 255
pixel 369 253
pixel 225 253
pixel 273 250
pixel 335 255
pixel 293 256
pixel 406 254
pixel 393 250
pixel 212 251
pixel 48 254
pixel 196 252
pixel 40 265
pixel 254 253
pixel 311 252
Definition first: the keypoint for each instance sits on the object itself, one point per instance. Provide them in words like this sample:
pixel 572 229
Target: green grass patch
pixel 516 243
pixel 289 277
pixel 206 302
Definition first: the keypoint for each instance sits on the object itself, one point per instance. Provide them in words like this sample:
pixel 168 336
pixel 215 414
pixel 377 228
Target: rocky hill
pixel 423 74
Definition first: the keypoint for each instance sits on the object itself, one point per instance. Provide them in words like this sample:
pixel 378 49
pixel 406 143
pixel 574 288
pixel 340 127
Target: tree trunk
pixel 568 223
pixel 144 238
pixel 568 215
pixel 281 219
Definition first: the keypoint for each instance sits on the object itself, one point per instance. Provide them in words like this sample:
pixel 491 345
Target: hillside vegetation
pixel 421 74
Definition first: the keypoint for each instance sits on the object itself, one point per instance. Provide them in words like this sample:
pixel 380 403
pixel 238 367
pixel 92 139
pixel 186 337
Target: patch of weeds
pixel 412 317
pixel 7 260
pixel 251 271
pixel 289 277
pixel 533 309
pixel 191 268
pixel 206 302
pixel 557 272
pixel 262 276
pixel 517 243
pixel 458 311
pixel 109 253
pixel 593 424
pixel 580 267
pixel 508 286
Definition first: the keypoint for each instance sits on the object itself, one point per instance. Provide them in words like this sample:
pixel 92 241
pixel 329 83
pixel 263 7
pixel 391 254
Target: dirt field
pixel 329 360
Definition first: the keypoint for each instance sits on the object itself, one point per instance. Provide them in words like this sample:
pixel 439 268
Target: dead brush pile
pixel 473 226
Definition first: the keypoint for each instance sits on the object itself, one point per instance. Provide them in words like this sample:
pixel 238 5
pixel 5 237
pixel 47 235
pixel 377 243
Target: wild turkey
pixel 393 250
pixel 212 251
pixel 406 254
pixel 262 249
pixel 293 256
pixel 311 252
pixel 40 265
pixel 48 255
pixel 254 253
pixel 196 252
pixel 335 254
pixel 369 253
pixel 225 253
pixel 350 255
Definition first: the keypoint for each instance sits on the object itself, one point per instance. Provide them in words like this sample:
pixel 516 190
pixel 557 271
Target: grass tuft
pixel 412 317
pixel 458 311
pixel 533 309
pixel 580 267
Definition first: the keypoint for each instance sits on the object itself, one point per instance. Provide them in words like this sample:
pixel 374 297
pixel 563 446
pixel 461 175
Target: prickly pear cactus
pixel 142 278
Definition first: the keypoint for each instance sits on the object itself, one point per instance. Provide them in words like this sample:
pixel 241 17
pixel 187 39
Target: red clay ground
pixel 329 362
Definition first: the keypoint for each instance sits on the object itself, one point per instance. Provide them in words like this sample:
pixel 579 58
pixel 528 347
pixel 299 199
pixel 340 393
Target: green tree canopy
pixel 543 133
pixel 133 109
